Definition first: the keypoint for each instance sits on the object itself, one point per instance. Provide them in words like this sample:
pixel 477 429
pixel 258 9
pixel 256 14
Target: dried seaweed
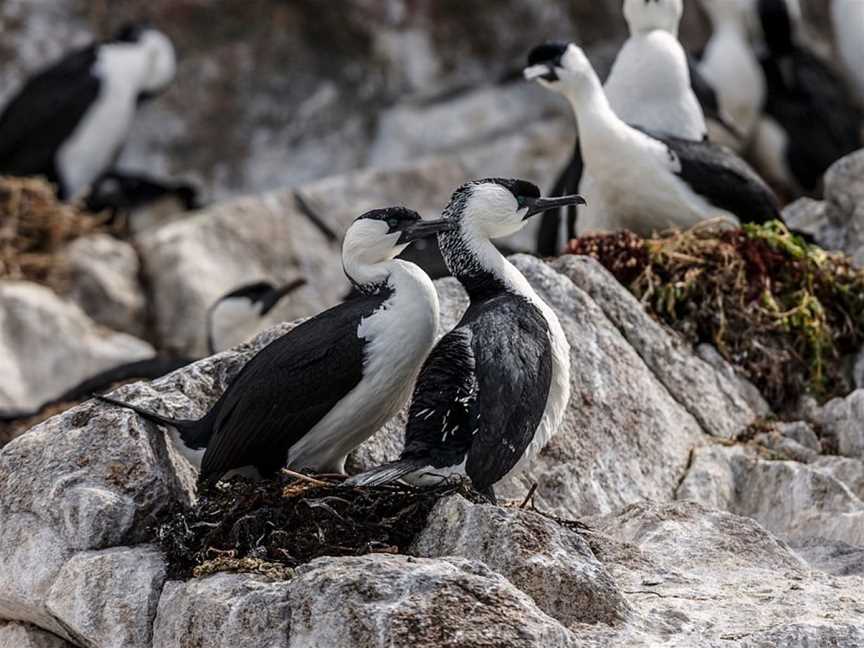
pixel 34 228
pixel 786 312
pixel 270 527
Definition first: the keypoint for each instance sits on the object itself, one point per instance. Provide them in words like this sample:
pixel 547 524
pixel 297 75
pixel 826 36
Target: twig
pixel 528 496
pixel 306 478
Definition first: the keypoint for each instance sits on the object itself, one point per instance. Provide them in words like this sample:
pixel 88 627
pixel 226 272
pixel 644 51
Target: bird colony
pixel 441 400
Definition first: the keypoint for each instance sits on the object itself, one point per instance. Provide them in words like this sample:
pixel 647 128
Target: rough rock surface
pixel 396 601
pixel 23 635
pixel 552 564
pixel 791 499
pixel 32 319
pixel 703 579
pixel 836 223
pixel 108 598
pixel 104 282
pixel 712 399
pixel 223 611
pixel 624 437
pixel 841 421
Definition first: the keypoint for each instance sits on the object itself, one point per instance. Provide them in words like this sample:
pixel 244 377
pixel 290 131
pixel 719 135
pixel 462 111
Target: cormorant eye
pixel 393 223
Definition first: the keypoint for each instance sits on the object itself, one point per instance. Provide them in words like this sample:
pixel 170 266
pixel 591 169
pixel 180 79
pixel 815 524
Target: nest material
pixel 785 312
pixel 34 227
pixel 270 527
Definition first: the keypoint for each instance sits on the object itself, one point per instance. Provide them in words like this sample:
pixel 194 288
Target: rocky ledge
pixel 701 525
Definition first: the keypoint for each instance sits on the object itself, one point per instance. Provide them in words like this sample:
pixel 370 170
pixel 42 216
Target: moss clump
pixel 270 527
pixel 786 312
pixel 34 227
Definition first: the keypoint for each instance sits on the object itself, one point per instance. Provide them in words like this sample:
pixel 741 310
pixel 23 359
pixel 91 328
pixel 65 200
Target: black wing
pixel 813 106
pixel 45 112
pixel 725 180
pixel 567 183
pixel 286 389
pixel 483 390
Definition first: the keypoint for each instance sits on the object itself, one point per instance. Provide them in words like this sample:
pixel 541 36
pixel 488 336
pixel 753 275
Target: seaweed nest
pixel 787 313
pixel 270 527
pixel 34 227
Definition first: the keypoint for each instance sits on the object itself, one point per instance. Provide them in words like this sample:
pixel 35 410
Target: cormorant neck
pixel 368 278
pixel 478 265
pixel 597 121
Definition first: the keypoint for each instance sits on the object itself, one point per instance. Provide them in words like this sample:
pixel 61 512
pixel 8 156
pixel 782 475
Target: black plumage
pixel 45 113
pixel 281 393
pixel 723 179
pixel 481 393
pixel 806 99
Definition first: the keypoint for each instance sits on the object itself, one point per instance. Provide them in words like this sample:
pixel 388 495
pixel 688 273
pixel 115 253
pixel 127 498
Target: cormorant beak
pixel 276 296
pixel 540 205
pixel 423 229
pixel 545 71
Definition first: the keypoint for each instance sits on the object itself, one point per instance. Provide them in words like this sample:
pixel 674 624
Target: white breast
pixel 649 86
pixel 101 133
pixel 848 19
pixel 731 67
pixel 398 337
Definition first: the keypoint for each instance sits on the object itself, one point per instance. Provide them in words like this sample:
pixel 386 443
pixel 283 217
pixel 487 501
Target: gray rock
pixel 831 556
pixel 838 222
pixel 397 601
pixel 799 635
pixel 786 448
pixel 747 390
pixel 104 282
pixel 791 499
pixel 702 578
pixel 848 471
pixel 842 421
pixel 108 598
pixel 800 432
pixel 550 563
pixel 624 437
pixel 192 263
pixel 22 635
pixel 223 611
pixel 708 395
pixel 32 319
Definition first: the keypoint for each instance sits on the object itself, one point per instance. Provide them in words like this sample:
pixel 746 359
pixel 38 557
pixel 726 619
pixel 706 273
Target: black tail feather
pixel 182 425
pixel 385 474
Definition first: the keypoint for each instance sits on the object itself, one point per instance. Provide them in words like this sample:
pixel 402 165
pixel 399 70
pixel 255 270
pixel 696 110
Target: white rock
pixel 192 263
pixel 397 601
pixel 708 395
pixel 699 578
pixel 33 319
pixel 22 635
pixel 108 598
pixel 223 611
pixel 791 499
pixel 104 282
pixel 831 556
pixel 845 470
pixel 842 420
pixel 552 564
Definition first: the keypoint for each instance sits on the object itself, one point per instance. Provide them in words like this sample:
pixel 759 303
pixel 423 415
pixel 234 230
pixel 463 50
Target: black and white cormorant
pixel 653 84
pixel 642 180
pixel 494 389
pixel 311 396
pixel 729 64
pixel 239 314
pixel 70 121
pixel 811 119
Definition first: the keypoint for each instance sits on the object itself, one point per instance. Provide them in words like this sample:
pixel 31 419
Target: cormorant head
pixel 381 234
pixel 498 207
pixel 558 66
pixel 647 15
pixel 161 59
pixel 237 315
